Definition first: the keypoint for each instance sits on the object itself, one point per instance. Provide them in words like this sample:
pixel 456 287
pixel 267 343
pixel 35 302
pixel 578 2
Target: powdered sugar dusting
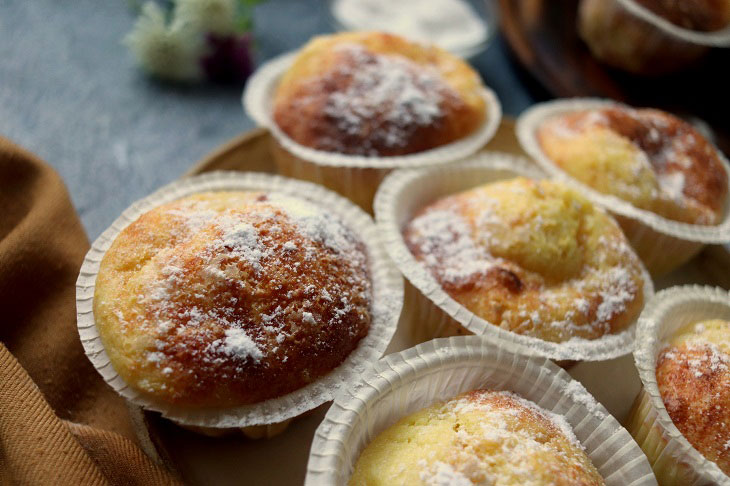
pixel 707 358
pixel 445 240
pixel 442 474
pixel 246 280
pixel 620 291
pixel 391 89
pixel 578 393
pixel 369 103
pixel 687 169
pixel 458 253
pixel 701 355
pixel 560 127
pixel 238 343
pixel 451 24
pixel 693 378
pixel 672 183
pixel 512 446
pixel 469 404
pixel 242 241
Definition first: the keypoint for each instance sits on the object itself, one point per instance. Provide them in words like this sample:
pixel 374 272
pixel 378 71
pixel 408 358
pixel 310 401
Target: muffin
pixel 702 15
pixel 377 94
pixel 665 183
pixel 647 157
pixel 693 375
pixel 480 437
pixel 528 422
pixel 532 257
pixel 349 107
pixel 652 37
pixel 222 299
pixel 680 417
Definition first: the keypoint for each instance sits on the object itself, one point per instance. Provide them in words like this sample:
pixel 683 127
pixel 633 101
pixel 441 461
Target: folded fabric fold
pixel 59 422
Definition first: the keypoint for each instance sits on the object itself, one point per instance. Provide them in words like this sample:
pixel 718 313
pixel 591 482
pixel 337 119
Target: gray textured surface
pixel 70 92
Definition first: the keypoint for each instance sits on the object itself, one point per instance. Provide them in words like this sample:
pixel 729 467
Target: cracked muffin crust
pixel 647 157
pixel 532 257
pixel 230 298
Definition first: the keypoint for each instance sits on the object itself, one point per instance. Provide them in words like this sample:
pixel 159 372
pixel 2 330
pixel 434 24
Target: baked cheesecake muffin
pixel 377 94
pixel 693 374
pixel 229 298
pixel 647 157
pixel 532 257
pixel 480 437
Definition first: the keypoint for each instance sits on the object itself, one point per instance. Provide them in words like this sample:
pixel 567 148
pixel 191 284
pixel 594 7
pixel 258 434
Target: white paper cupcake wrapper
pixel 718 38
pixel 662 317
pixel 438 370
pixel 258 102
pixel 386 305
pixel 527 126
pixel 403 192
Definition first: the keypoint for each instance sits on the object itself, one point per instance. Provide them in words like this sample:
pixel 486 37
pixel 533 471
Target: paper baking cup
pixel 428 310
pixel 641 43
pixel 662 244
pixel 675 461
pixel 438 370
pixel 387 290
pixel 717 38
pixel 354 176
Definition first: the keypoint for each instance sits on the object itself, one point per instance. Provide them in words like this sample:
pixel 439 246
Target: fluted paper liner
pixel 387 300
pixel 438 370
pixel 355 176
pixel 673 458
pixel 716 38
pixel 662 244
pixel 429 311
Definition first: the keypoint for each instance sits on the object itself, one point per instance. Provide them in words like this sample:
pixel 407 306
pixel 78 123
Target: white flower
pixel 216 16
pixel 170 52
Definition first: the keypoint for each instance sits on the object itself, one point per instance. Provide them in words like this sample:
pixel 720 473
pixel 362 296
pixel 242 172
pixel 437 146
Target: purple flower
pixel 228 58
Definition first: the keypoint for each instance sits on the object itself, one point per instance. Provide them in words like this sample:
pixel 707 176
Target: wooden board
pixel 543 37
pixel 282 460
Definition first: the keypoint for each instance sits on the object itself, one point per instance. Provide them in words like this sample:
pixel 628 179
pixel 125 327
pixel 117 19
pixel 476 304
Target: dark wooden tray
pixel 543 37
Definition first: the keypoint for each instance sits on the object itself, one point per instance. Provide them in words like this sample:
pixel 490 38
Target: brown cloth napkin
pixel 59 422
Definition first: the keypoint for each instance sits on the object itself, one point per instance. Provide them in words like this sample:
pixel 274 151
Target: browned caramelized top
pixel 674 146
pixel 231 298
pixel 693 374
pixel 377 94
pixel 481 437
pixel 647 157
pixel 703 15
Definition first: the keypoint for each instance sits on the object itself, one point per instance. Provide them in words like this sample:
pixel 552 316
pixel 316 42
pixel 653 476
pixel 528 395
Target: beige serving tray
pixel 283 459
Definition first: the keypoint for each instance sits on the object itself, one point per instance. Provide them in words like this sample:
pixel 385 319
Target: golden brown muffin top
pixel 702 15
pixel 480 437
pixel 227 298
pixel 377 94
pixel 532 257
pixel 647 157
pixel 693 373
